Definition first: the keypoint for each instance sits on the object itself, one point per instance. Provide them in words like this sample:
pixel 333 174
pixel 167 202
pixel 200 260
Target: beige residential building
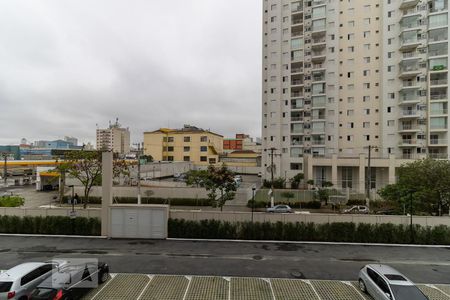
pixel 340 76
pixel 114 138
pixel 189 143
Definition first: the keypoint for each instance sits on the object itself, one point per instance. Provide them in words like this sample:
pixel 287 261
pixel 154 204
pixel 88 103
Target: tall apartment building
pixel 339 76
pixel 114 138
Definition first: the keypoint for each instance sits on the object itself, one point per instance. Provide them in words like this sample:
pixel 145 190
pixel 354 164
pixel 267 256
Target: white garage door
pixel 143 223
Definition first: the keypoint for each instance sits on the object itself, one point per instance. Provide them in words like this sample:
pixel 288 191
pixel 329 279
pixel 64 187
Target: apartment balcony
pixel 298 131
pixel 409 44
pixel 297 119
pixel 318 43
pixel 297 20
pixel 410 71
pixel 438 68
pixel 296 70
pixel 410 56
pixel 438 143
pixel 438 82
pixel 297 82
pixel 408 143
pixel 438 155
pixel 405 114
pixel 296 143
pixel 318 142
pixel 413 25
pixel 439 112
pixel 409 100
pixel 297 7
pixel 437 35
pixel 408 4
pixel 438 96
pixel 295 59
pixel 318 16
pixel 318 2
pixel 410 85
pixel 318 31
pixel 404 128
pixel 318 56
pixel 297 94
pixel 411 12
pixel 318 67
pixel 296 33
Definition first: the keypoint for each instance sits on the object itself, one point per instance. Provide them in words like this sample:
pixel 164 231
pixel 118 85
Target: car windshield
pixel 407 292
pixel 5 286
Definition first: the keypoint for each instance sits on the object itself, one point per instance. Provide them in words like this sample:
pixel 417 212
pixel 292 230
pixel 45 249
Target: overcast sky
pixel 66 66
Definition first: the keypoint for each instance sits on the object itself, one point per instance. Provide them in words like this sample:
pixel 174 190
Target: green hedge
pixel 11 201
pixel 150 200
pixel 331 232
pixel 50 225
pixel 352 202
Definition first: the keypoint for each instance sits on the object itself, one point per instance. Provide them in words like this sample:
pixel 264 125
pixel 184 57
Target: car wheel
pixel 104 277
pixel 362 286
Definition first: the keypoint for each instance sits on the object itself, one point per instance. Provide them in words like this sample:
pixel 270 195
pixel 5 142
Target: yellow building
pixel 186 144
pixel 241 158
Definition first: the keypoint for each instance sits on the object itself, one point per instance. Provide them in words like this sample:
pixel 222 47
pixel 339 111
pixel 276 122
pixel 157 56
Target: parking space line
pixel 187 288
pixel 436 287
pixel 229 286
pixel 357 290
pixel 146 286
pixel 106 284
pixel 271 288
pixel 312 286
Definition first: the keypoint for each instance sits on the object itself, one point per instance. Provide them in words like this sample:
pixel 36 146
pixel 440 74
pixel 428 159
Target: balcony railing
pixel 297 94
pixel 318 66
pixel 297 70
pixel 318 142
pixel 297 82
pixel 437 52
pixel 437 38
pixel 297 8
pixel 439 112
pixel 438 155
pixel 408 127
pixel 409 41
pixel 296 142
pixel 409 68
pixel 438 142
pixel 317 41
pixel 408 142
pixel 409 112
pixel 296 21
pixel 296 119
pixel 409 83
pixel 296 33
pixel 318 28
pixel 438 81
pixel 438 96
pixel 321 78
pixel 410 54
pixel 318 53
pixel 318 2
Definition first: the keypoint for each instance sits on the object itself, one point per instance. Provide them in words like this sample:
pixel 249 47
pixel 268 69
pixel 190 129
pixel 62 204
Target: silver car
pixel 383 282
pixel 280 208
pixel 20 281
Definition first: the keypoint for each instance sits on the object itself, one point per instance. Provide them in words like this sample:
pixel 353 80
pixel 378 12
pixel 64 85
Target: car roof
pixel 20 270
pixel 390 274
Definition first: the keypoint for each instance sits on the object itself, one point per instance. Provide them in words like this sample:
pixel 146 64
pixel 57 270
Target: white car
pixel 357 209
pixel 383 282
pixel 20 281
pixel 280 208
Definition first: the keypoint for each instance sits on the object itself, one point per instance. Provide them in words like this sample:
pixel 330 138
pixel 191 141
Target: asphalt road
pixel 337 262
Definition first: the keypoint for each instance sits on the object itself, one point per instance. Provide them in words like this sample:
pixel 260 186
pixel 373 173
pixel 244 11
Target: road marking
pixel 357 290
pixel 271 288
pixel 433 286
pixel 229 286
pixel 312 286
pixel 140 295
pixel 106 284
pixel 188 286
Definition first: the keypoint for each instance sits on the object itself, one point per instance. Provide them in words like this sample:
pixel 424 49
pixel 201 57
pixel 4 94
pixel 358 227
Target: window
pixel 212 160
pixel 203 148
pixel 273 19
pixel 366 59
pixel 170 149
pixel 366 73
pixel 366 21
pixel 349 138
pixel 350 36
pixel 350 112
pixel 203 158
pixel 203 138
pixel 186 158
pixel 366 124
pixel 366 98
pixel 170 139
pixel 186 149
pixel 366 111
pixel 30 277
pixel 391 123
pixel 366 34
pixel 187 139
pixel 351 23
pixel 366 85
pixel 351 49
pixel 350 99
pixel 347 177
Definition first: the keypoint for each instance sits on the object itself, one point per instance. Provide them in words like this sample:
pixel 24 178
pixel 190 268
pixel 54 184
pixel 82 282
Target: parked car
pixel 383 282
pixel 280 208
pixel 20 281
pixel 357 209
pixel 71 281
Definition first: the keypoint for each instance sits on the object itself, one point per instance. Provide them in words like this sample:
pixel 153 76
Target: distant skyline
pixel 67 66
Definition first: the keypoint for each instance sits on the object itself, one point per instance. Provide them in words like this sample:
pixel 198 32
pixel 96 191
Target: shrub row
pixel 11 201
pixel 292 204
pixel 50 225
pixel 331 232
pixel 352 202
pixel 150 200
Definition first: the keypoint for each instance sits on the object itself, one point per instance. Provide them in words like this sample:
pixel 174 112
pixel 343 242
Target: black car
pixel 72 281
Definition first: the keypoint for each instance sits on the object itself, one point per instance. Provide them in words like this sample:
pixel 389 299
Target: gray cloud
pixel 68 65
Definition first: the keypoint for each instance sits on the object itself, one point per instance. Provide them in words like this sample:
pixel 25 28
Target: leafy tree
pixel 295 181
pixel 427 181
pixel 86 166
pixel 323 193
pixel 310 182
pixel 220 184
pixel 196 177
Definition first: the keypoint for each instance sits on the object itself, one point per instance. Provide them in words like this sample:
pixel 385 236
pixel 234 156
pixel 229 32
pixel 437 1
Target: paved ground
pixel 32 197
pixel 157 287
pixel 269 260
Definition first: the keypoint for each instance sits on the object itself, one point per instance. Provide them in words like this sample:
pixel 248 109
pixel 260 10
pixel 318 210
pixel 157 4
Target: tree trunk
pixel 221 200
pixel 62 185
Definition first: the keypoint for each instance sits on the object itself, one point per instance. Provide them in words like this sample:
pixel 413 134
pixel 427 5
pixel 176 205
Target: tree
pixel 196 177
pixel 427 181
pixel 323 193
pixel 220 180
pixel 86 166
pixel 295 181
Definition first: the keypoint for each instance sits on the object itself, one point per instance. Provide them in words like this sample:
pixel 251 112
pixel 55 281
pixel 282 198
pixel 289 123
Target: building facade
pixel 340 76
pixel 189 143
pixel 115 138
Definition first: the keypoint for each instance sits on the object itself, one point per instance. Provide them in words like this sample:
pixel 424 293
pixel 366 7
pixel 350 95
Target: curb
pixel 309 243
pixel 54 235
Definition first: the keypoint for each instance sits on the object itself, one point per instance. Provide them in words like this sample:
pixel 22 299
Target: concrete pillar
pixel 362 173
pixel 107 182
pixel 391 175
pixel 334 170
pixel 308 167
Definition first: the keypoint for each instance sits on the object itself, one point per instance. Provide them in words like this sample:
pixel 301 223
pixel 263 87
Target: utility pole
pixel 139 172
pixel 271 174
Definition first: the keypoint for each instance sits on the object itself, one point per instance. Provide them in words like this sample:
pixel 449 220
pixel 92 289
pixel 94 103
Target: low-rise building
pixel 189 143
pixel 114 138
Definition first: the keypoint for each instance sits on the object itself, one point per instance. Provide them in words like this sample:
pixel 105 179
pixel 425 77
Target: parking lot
pixel 162 287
